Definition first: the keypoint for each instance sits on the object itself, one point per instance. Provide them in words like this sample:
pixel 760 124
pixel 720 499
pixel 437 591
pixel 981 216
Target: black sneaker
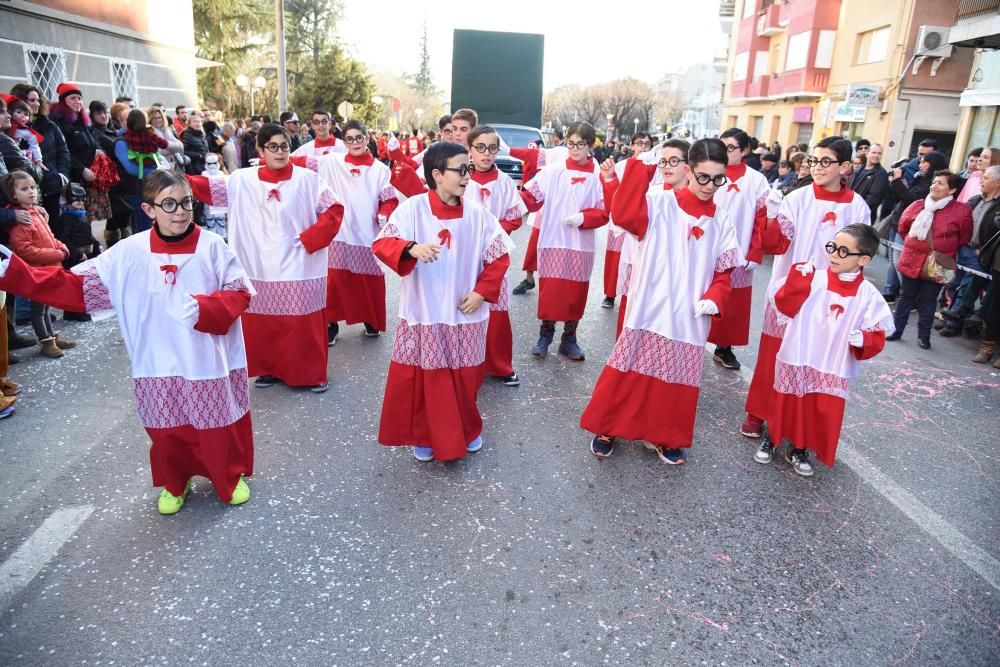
pixel 371 331
pixel 332 334
pixel 889 298
pixel 602 446
pixel 924 343
pixel 319 388
pixel 265 381
pixel 609 302
pixel 799 458
pixel 764 453
pixel 725 356
pixel 511 380
pixel 523 287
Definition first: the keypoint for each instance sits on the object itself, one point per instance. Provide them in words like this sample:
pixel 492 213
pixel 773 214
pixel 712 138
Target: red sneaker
pixel 752 427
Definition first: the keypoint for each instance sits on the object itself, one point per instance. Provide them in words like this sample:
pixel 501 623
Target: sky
pixel 582 45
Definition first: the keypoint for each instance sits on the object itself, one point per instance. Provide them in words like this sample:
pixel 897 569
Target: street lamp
pixel 636 129
pixel 378 101
pixel 610 117
pixel 243 81
pixel 419 113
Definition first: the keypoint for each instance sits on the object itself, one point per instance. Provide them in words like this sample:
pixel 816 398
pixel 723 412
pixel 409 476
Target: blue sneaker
pixel 541 348
pixel 7 412
pixel 669 455
pixel 423 454
pixel 570 349
pixel 475 445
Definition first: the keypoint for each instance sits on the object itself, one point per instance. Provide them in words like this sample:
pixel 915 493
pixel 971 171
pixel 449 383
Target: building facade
pixel 792 64
pixel 143 50
pixel 977 26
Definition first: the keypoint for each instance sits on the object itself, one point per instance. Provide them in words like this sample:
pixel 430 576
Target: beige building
pixel 791 65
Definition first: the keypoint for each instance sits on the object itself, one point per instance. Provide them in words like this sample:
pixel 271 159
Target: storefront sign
pixel 862 95
pixel 802 114
pixel 848 113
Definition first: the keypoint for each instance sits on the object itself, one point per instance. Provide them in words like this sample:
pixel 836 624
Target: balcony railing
pixel 969 9
pixel 767 21
pixel 727 8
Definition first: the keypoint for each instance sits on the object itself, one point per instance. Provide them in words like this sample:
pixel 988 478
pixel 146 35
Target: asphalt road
pixel 529 552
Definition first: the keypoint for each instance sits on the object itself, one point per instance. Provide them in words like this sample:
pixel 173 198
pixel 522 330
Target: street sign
pixel 849 113
pixel 863 95
pixel 345 109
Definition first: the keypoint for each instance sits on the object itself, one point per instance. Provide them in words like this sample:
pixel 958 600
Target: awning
pixel 980 97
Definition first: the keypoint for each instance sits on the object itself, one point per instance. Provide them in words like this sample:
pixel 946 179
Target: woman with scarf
pixel 935 224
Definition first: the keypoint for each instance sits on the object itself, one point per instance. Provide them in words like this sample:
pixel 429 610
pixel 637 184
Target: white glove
pixel 5 255
pixel 806 268
pixel 706 307
pixel 574 220
pixel 856 338
pixel 381 220
pixel 750 266
pixel 504 148
pixel 652 156
pixel 186 311
pixel 392 143
pixel 298 243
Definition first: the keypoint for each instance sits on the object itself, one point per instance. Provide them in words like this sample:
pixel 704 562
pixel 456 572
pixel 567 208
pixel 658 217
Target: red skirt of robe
pixel 432 408
pixel 733 328
pixel 812 422
pixel 531 253
pixel 355 298
pixel 290 347
pixel 220 454
pixel 611 259
pixel 762 385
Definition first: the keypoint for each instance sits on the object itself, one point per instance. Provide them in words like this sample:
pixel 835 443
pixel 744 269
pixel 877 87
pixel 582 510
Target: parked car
pixel 516 136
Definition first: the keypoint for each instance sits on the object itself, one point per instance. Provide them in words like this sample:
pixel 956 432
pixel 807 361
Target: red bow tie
pixel 445 237
pixel 274 194
pixel 355 172
pixel 697 232
pixel 830 218
pixel 577 179
pixel 733 186
pixel 484 193
pixel 837 309
pixel 169 274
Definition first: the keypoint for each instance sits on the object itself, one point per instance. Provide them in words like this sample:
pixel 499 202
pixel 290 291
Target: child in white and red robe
pixel 834 319
pixel 744 199
pixel 533 158
pixel 282 218
pixel 178 294
pixel 641 143
pixel 669 158
pixel 439 353
pixel 495 190
pixel 573 193
pixel 325 142
pixel 355 281
pixel 808 219
pixel 649 388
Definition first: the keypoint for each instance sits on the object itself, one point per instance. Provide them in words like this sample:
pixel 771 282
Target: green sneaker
pixel 171 504
pixel 241 493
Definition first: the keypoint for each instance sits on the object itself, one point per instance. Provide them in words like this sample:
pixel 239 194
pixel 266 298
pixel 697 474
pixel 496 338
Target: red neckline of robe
pixel 735 172
pixel 325 143
pixel 573 165
pixel 184 247
pixel 364 160
pixel 484 177
pixel 443 211
pixel 692 205
pixel 841 287
pixel 842 196
pixel 269 175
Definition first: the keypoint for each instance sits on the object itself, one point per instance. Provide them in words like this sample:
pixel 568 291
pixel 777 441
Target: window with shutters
pixel 124 82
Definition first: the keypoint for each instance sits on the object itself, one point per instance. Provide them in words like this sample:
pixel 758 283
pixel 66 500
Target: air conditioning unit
pixel 932 42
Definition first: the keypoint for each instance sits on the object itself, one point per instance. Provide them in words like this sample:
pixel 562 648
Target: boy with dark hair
pixel 281 220
pixel 807 220
pixel 325 142
pixel 833 319
pixel 649 388
pixel 744 199
pixel 575 205
pixel 438 356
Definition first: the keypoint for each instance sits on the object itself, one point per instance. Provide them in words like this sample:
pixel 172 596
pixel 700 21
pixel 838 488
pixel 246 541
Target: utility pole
pixel 279 20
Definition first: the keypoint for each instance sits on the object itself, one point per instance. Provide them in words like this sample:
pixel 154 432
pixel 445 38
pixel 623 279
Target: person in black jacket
pixel 195 144
pixel 74 123
pixel 904 196
pixel 55 154
pixel 872 182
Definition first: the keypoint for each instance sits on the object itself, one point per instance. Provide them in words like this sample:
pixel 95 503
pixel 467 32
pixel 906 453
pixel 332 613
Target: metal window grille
pixel 124 82
pixel 45 67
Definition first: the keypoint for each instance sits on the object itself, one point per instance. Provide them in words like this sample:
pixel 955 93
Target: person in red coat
pixel 938 223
